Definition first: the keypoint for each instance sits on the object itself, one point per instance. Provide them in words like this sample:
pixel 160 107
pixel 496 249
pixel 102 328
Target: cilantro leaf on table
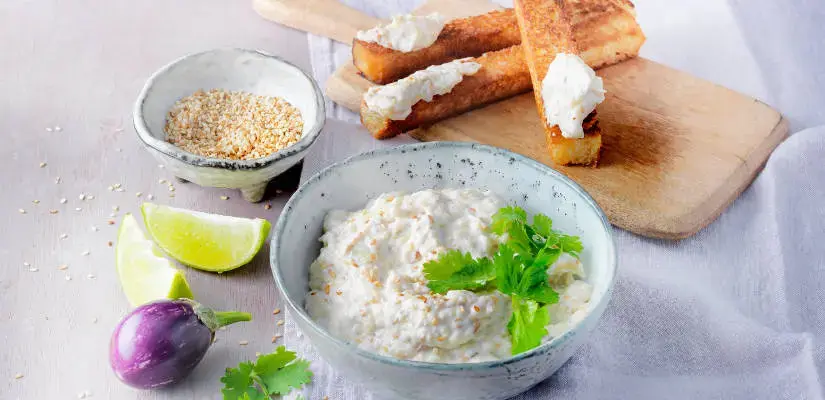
pixel 291 376
pixel 458 271
pixel 237 383
pixel 275 373
pixel 527 324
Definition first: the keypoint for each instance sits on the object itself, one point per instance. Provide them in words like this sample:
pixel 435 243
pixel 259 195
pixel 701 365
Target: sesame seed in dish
pixel 232 124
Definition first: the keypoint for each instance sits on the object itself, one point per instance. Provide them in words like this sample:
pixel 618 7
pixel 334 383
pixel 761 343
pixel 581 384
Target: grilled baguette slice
pixel 605 31
pixel 502 75
pixel 460 38
pixel 546 30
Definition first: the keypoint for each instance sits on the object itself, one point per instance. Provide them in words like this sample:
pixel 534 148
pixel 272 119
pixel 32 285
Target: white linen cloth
pixel 735 312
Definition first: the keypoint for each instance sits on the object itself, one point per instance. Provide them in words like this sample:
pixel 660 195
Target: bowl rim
pixel 434 366
pixel 184 156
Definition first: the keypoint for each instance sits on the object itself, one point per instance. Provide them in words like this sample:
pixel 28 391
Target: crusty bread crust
pixel 460 38
pixel 547 29
pixel 502 75
pixel 605 31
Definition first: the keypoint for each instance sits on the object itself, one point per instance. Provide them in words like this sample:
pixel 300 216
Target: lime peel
pixel 209 242
pixel 145 274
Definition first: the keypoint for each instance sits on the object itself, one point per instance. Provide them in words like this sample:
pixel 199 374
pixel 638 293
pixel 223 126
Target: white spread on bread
pixel 570 91
pixel 395 100
pixel 406 32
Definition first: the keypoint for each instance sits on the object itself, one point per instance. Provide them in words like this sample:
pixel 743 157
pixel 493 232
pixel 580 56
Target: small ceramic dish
pixel 518 180
pixel 237 70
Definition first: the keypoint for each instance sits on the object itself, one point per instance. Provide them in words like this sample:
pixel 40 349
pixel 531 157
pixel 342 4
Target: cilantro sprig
pixel 271 374
pixel 518 269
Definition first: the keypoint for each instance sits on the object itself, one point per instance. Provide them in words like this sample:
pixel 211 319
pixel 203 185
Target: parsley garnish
pixel 518 269
pixel 272 374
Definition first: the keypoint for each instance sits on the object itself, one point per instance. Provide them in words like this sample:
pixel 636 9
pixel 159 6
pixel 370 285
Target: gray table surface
pixel 79 65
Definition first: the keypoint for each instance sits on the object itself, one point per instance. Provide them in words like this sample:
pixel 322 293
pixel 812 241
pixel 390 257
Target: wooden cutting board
pixel 677 150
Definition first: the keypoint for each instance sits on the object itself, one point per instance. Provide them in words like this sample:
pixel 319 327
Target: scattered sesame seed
pixel 58 128
pixel 21 211
pixel 243 342
pixel 118 149
pixel 161 181
pixel 64 235
pixel 171 188
pixel 26 264
pixel 33 269
pixel 90 197
pixel 277 311
pixel 94 320
pixel 18 376
pixel 257 354
pixel 63 201
pixel 63 267
pixel 82 196
pixel 115 208
pixel 275 338
pixel 35 201
pixel 51 212
pixel 138 194
pixel 160 166
pixel 326 398
pixel 150 197
pixel 85 253
pixel 116 186
pixel 280 322
pixel 57 179
pixel 267 206
pixel 68 278
pixel 78 209
pixel 110 188
pixel 110 222
pixel 224 197
pixel 120 190
pixel 95 229
pixel 49 130
pixel 91 276
pixel 112 215
pixel 43 164
pixel 81 395
pixel 171 195
pixel 109 243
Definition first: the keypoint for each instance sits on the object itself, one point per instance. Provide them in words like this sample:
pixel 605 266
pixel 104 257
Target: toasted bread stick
pixel 605 30
pixel 460 38
pixel 546 30
pixel 502 75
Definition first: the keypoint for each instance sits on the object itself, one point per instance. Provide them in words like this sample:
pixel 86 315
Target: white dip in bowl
pixel 368 285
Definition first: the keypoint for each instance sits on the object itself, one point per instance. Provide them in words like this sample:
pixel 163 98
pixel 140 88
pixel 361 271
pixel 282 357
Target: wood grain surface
pixel 677 150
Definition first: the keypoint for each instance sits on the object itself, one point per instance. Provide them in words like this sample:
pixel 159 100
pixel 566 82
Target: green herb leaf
pixel 542 224
pixel 506 217
pixel 291 376
pixel 571 245
pixel 237 383
pixel 508 269
pixel 275 373
pixel 527 324
pixel 456 271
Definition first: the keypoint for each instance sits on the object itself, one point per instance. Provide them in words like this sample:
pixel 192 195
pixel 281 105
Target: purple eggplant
pixel 158 344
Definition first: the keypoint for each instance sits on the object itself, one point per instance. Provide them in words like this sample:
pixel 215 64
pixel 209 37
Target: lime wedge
pixel 144 273
pixel 208 242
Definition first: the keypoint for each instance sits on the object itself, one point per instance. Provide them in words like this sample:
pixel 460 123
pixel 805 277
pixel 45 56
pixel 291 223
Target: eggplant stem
pixel 224 318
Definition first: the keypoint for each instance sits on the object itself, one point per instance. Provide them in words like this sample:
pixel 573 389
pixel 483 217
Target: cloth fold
pixel 734 312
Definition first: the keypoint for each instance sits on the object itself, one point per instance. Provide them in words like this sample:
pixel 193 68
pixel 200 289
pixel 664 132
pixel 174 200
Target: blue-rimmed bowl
pixel 517 179
pixel 251 71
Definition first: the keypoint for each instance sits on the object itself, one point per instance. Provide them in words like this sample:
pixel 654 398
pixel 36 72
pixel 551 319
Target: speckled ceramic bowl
pixel 230 69
pixel 517 179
